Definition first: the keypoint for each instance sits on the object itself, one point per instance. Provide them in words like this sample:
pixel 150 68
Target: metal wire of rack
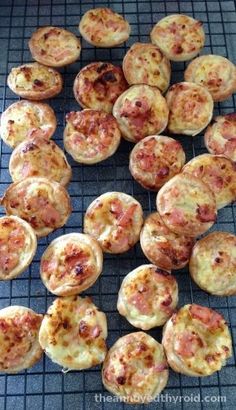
pixel 45 386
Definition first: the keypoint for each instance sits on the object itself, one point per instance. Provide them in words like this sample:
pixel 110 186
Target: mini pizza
pixel 144 63
pixel 102 27
pixel 135 368
pixel 18 245
pixel 186 205
pixel 54 46
pixel 73 333
pixel 91 136
pixel 141 111
pixel 39 157
pixel 156 159
pixel 197 341
pixel 148 297
pixel 44 203
pixel 71 264
pixel 163 247
pixel 19 345
pixel 216 73
pixel 220 136
pixel 213 263
pixel 218 172
pixel 179 37
pixel 24 119
pixel 191 108
pixel 115 220
pixel 35 81
pixel 98 85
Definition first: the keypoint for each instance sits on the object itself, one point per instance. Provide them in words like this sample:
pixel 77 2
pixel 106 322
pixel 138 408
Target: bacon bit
pixel 30 146
pixel 4 326
pixel 50 215
pixel 177 49
pixel 188 344
pixel 84 329
pixel 177 217
pixel 225 348
pixel 167 301
pixel 127 216
pixel 163 172
pixel 38 83
pixel 146 160
pixel 160 367
pixel 121 380
pixel 75 259
pixel 209 317
pixel 141 302
pixel 27 72
pixel 8 262
pixel 11 122
pixel 96 331
pixel 205 213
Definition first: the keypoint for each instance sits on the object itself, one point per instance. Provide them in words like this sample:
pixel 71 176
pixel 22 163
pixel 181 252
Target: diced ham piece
pixel 205 213
pixel 211 319
pixel 188 344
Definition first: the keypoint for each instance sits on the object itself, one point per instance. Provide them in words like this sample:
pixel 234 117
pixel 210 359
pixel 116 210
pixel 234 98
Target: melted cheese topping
pixel 187 205
pixel 35 81
pixel 91 136
pixel 220 137
pixel 148 297
pixel 135 368
pixel 213 263
pixel 115 220
pixel 191 108
pixel 102 27
pixel 155 160
pixel 39 157
pixel 25 118
pixel 73 333
pixel 197 341
pixel 144 63
pixel 54 46
pixel 219 173
pixel 178 36
pixel 43 203
pixel 17 246
pixel 71 264
pixel 98 85
pixel 141 111
pixel 19 348
pixel 163 247
pixel 216 73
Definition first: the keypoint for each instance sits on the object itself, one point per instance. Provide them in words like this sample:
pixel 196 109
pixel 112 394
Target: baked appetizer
pixel 18 245
pixel 186 205
pixel 35 81
pixel 191 108
pixel 141 111
pixel 44 203
pixel 135 368
pixel 91 136
pixel 54 46
pixel 216 73
pixel 98 85
pixel 19 346
pixel 220 136
pixel 73 333
pixel 148 297
pixel 24 119
pixel 71 264
pixel 179 37
pixel 218 172
pixel 155 160
pixel 115 220
pixel 102 27
pixel 197 341
pixel 39 157
pixel 163 247
pixel 213 263
pixel 144 63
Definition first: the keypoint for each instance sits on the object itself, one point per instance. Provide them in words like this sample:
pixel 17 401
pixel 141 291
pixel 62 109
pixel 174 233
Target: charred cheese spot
pixel 147 297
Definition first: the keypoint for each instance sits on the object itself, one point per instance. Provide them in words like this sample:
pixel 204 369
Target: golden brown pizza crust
pixel 179 37
pixel 54 46
pixel 144 63
pixel 102 27
pixel 24 119
pixel 44 203
pixel 19 346
pixel 39 157
pixel 216 73
pixel 35 81
pixel 98 85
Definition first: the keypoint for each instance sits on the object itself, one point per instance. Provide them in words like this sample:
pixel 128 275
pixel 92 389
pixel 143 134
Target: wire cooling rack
pixel 45 386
